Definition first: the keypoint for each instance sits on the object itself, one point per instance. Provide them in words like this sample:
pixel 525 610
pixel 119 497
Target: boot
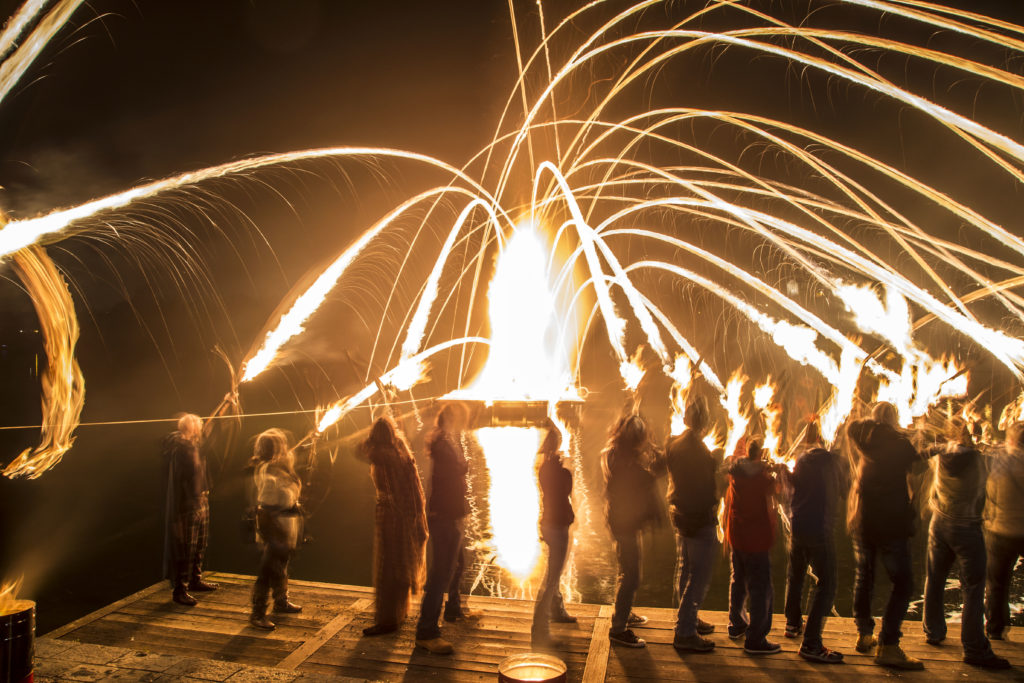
pixel 261 622
pixel 435 646
pixel 182 597
pixel 197 585
pixel 894 656
pixel 282 606
pixel 866 643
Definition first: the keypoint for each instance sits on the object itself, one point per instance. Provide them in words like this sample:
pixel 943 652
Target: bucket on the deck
pixel 17 642
pixel 532 667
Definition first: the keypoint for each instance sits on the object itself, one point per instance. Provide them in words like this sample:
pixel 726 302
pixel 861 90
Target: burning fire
pixel 9 597
pixel 738 419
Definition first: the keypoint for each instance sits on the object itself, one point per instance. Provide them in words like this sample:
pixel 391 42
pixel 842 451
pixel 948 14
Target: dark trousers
pixel 190 533
pixel 444 575
pixel 695 561
pixel 751 580
pixel 895 556
pixel 1003 552
pixel 820 557
pixel 948 542
pixel 628 550
pixel 277 552
pixel 549 599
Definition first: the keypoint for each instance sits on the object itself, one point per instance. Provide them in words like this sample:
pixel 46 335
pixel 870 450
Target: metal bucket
pixel 17 642
pixel 532 667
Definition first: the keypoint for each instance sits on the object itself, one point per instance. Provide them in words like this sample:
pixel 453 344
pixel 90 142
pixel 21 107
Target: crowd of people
pixel 976 502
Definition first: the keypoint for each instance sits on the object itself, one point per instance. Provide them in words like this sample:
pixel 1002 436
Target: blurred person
pixel 278 523
pixel 882 520
pixel 693 508
pixel 955 534
pixel 750 529
pixel 400 535
pixel 1004 528
pixel 815 485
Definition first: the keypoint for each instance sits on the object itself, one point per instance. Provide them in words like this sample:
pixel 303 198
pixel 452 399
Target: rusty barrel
pixel 532 667
pixel 17 641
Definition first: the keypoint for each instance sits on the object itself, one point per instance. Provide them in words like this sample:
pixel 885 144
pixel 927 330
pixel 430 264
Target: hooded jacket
pixel 750 523
pixel 880 502
pixel 692 485
pixel 817 481
pixel 958 492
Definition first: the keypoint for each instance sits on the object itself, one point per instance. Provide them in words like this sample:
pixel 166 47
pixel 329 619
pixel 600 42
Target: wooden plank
pixel 104 611
pixel 304 651
pixel 597 659
pixel 242 578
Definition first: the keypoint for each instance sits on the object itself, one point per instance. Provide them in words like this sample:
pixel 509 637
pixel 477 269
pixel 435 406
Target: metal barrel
pixel 532 667
pixel 17 642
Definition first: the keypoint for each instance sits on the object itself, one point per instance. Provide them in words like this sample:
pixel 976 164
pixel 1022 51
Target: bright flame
pixel 632 370
pixel 9 597
pixel 772 413
pixel 682 375
pixel 738 420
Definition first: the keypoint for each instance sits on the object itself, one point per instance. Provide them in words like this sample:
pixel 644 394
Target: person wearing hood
pixel 1004 528
pixel 955 533
pixel 750 529
pixel 881 520
pixel 817 481
pixel 693 507
pixel 632 506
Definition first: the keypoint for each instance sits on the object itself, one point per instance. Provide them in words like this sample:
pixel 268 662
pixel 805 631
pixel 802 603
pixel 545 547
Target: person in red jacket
pixel 750 528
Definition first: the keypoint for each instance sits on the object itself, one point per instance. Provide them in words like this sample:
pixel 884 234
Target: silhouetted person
pixel 1004 528
pixel 955 534
pixel 187 510
pixel 632 505
pixel 556 518
pixel 881 523
pixel 693 507
pixel 278 521
pixel 816 483
pixel 750 528
pixel 446 513
pixel 400 535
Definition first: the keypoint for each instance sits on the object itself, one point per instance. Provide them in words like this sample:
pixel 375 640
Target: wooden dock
pixel 326 639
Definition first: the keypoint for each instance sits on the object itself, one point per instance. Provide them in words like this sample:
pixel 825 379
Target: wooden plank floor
pixel 327 639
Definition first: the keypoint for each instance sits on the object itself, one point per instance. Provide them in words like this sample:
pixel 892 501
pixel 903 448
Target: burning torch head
pixel 190 427
pixel 696 416
pixel 885 413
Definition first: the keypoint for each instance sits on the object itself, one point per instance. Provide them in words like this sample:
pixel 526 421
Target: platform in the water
pixel 327 639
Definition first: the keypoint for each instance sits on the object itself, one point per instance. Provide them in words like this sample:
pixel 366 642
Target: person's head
pixel 885 413
pixel 1015 436
pixel 272 445
pixel 696 417
pixel 383 431
pixel 812 433
pixel 190 426
pixel 552 443
pixel 452 418
pixel 632 432
pixel 754 449
pixel 958 432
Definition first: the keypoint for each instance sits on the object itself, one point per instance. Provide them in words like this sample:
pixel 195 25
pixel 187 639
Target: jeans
pixel 820 556
pixel 895 557
pixel 445 574
pixel 549 599
pixel 1003 552
pixel 948 542
pixel 751 580
pixel 628 549
pixel 695 560
pixel 277 552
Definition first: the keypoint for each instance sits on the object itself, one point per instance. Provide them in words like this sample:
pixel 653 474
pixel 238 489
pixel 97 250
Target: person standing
pixel 693 508
pixel 881 520
pixel 955 533
pixel 278 522
pixel 1004 528
pixel 750 528
pixel 556 518
pixel 446 513
pixel 632 506
pixel 187 510
pixel 815 484
pixel 400 534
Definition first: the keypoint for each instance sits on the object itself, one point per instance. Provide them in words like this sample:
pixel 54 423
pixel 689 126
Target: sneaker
pixel 794 631
pixel 737 633
pixel 824 655
pixel 465 615
pixel 627 639
pixel 866 643
pixel 704 628
pixel 765 648
pixel 989 661
pixel 285 607
pixel 261 622
pixel 695 643
pixel 636 619
pixel 894 656
pixel 435 646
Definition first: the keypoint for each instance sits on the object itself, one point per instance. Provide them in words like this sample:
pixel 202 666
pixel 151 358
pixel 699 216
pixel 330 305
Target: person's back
pixel 447 478
pixel 629 488
pixel 556 489
pixel 887 457
pixel 692 490
pixel 958 491
pixel 1004 507
pixel 750 520
pixel 816 484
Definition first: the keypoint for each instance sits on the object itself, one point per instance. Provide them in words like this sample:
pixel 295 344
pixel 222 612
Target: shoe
pixel 704 628
pixel 200 586
pixel 563 618
pixel 866 643
pixel 627 639
pixel 894 656
pixel 935 642
pixel 436 646
pixel 764 648
pixel 285 607
pixel 737 633
pixel 989 661
pixel 261 622
pixel 794 631
pixel 694 643
pixel 1001 635
pixel 380 629
pixel 183 598
pixel 824 655
pixel 635 619
pixel 466 614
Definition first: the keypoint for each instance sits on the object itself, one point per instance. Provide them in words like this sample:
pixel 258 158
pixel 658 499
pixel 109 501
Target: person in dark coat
pixel 815 485
pixel 693 508
pixel 446 513
pixel 1004 528
pixel 187 510
pixel 881 520
pixel 632 505
pixel 400 535
pixel 556 517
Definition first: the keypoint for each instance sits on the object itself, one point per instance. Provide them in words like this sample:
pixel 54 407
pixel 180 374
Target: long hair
pixel 190 427
pixel 627 440
pixel 272 448
pixel 385 434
